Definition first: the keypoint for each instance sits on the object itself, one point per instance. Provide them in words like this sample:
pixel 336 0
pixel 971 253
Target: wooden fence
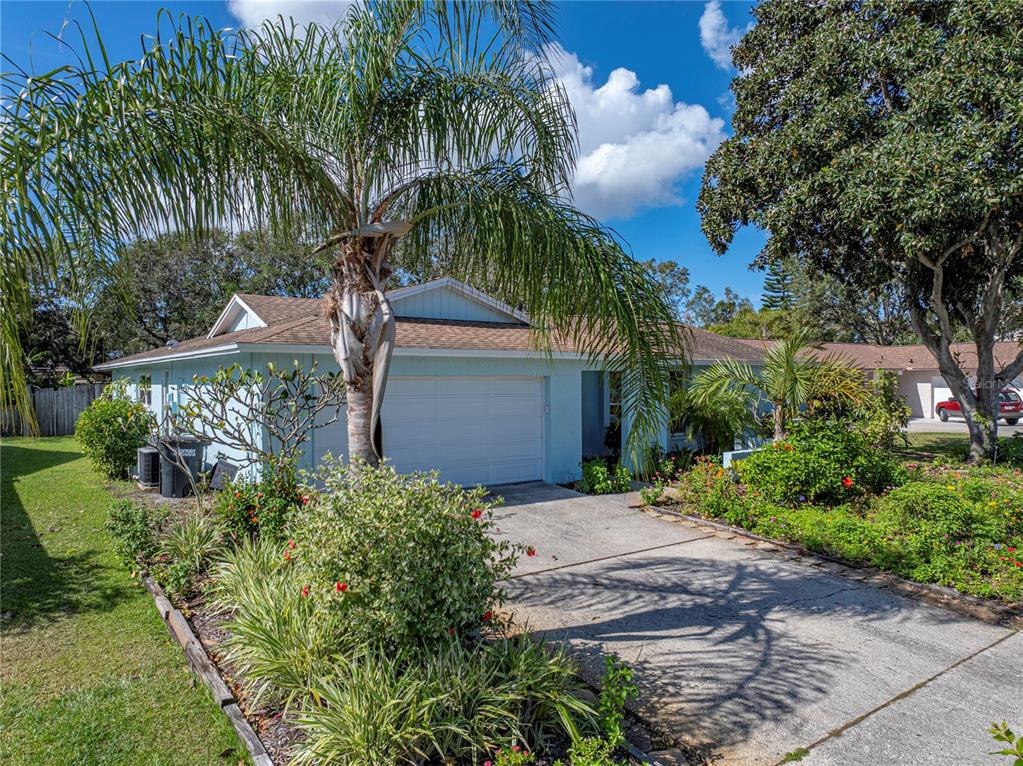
pixel 57 409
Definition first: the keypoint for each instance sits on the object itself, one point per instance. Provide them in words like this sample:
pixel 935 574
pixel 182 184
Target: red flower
pixel 476 513
pixel 341 587
pixel 487 615
pixel 304 499
pixel 305 591
pixel 291 544
pixel 515 748
pixel 530 551
pixel 237 494
pixel 847 482
pixel 287 556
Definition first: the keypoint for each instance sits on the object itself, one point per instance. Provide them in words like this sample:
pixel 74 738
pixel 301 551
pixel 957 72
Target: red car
pixel 1010 407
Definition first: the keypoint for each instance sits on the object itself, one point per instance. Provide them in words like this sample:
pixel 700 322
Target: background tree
pixel 778 286
pixel 880 143
pixel 432 125
pixel 673 280
pixel 175 286
pixel 849 314
pixel 764 324
pixel 704 309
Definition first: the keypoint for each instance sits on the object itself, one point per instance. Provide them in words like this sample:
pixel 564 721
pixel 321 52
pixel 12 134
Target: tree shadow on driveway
pixel 727 644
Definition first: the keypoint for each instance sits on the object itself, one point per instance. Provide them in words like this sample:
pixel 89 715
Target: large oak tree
pixel 882 142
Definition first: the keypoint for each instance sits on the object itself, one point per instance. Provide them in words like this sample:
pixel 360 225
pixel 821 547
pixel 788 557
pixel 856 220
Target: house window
pixel 614 391
pixel 145 389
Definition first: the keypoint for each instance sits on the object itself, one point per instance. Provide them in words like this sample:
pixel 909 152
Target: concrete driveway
pixel 749 655
pixel 955 426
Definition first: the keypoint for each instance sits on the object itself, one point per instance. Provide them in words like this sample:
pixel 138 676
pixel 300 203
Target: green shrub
pixel 111 429
pixel 1010 450
pixel 820 462
pixel 616 689
pixel 461 703
pixel 929 517
pixel 590 751
pixel 403 558
pixel 261 506
pixel 131 526
pixel 599 479
pixel 187 548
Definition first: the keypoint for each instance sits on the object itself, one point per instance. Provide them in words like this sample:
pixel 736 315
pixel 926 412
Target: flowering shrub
pixel 405 559
pixel 599 479
pixel 826 462
pixel 956 528
pixel 249 507
pixel 111 429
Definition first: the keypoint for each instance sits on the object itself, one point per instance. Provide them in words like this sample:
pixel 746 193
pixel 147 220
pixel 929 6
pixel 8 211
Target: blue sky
pixel 649 82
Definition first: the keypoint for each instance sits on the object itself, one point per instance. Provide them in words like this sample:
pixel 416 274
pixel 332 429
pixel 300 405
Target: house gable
pixel 237 315
pixel 448 298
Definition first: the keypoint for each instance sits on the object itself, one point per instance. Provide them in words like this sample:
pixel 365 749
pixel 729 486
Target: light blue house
pixel 467 394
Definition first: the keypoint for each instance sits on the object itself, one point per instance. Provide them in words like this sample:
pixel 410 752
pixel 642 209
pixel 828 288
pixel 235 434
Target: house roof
pixel 300 322
pixel 870 356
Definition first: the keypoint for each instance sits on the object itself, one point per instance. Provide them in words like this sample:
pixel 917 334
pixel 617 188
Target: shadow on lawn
pixel 38 586
pixel 710 640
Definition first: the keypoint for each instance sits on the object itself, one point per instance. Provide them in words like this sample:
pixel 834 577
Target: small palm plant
pixel 790 379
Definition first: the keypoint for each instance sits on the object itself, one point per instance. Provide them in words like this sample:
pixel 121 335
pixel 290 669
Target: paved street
pixel 750 655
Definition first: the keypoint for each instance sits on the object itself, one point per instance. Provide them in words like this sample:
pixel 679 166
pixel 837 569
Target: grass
pixel 928 446
pixel 89 672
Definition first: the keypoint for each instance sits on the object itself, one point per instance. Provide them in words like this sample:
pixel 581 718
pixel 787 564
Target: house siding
pixel 446 303
pixel 562 385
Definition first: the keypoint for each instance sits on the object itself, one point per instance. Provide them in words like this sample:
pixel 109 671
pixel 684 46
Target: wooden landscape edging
pixel 986 610
pixel 206 670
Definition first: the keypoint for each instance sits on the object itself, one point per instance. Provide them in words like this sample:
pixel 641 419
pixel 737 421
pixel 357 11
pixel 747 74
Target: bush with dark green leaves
pixel 261 506
pixel 599 478
pixel 827 462
pixel 111 429
pixel 131 525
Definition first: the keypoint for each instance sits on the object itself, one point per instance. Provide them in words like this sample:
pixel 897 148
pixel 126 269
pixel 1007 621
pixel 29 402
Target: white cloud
pixel 635 145
pixel 252 13
pixel 717 37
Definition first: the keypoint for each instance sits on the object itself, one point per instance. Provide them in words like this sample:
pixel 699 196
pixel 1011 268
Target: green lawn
pixel 89 672
pixel 925 447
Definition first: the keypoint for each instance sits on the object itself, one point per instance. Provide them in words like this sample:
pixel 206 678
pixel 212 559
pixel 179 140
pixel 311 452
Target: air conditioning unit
pixel 149 467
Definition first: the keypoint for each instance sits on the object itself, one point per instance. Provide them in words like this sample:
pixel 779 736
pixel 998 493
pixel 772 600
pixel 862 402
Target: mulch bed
pixel 269 722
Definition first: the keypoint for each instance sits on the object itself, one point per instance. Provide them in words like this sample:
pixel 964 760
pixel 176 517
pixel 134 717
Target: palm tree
pixel 417 131
pixel 791 378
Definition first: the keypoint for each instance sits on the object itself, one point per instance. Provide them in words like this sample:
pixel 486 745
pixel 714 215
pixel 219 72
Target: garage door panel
pixel 455 409
pixel 414 387
pixel 463 387
pixel 513 406
pixel 507 473
pixel 473 430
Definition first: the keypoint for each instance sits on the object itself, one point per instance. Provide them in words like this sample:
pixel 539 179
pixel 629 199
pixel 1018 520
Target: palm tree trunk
pixel 779 421
pixel 362 336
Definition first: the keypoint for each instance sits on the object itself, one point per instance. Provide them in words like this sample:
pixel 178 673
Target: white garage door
pixel 473 430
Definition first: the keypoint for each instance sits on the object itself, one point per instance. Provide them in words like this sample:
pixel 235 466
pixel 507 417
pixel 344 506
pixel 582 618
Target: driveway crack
pixel 838 732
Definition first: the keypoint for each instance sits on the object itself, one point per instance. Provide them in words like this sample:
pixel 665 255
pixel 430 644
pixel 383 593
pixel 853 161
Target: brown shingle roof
pixel 869 356
pixel 298 321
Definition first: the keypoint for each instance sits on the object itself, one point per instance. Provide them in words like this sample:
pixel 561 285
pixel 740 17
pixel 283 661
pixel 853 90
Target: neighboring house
pixel 919 378
pixel 467 392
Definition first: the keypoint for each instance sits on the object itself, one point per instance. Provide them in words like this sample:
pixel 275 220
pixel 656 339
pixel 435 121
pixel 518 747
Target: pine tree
pixel 778 287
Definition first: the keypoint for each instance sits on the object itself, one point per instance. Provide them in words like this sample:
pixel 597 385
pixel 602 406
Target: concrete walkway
pixel 749 655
